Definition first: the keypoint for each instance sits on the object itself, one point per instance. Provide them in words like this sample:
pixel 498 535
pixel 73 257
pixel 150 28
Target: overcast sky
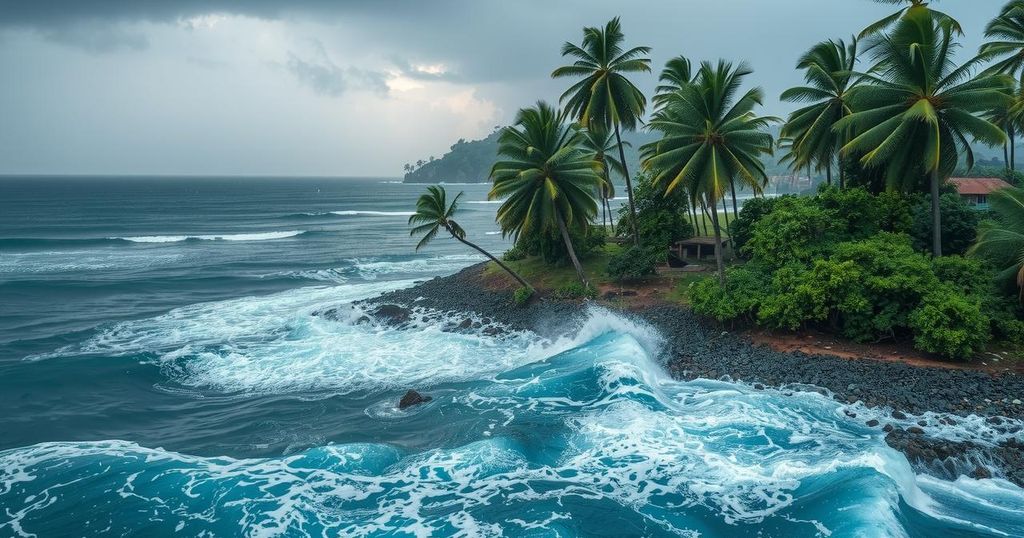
pixel 344 88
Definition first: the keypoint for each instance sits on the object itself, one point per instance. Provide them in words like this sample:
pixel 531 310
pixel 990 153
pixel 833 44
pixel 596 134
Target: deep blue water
pixel 161 373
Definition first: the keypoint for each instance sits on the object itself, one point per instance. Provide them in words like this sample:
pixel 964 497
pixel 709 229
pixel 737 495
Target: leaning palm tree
pixel 433 213
pixel 547 181
pixel 914 6
pixel 828 70
pixel 1006 40
pixel 600 144
pixel 1002 240
pixel 604 95
pixel 709 139
pixel 919 109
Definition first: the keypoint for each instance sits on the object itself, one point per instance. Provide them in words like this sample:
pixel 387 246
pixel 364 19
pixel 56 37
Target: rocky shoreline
pixel 936 397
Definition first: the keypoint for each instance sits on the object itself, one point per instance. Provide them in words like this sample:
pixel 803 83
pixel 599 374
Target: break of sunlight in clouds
pixel 316 87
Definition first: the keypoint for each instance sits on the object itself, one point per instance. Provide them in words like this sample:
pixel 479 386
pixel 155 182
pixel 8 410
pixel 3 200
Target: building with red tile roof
pixel 975 190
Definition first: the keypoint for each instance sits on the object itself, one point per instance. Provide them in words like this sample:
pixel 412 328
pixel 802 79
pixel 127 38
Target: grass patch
pixel 680 293
pixel 544 276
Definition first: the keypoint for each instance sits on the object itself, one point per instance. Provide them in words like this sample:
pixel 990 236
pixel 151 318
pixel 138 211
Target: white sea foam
pixel 264 236
pixel 274 344
pixel 484 202
pixel 349 213
pixel 373 268
pixel 85 260
pixel 619 430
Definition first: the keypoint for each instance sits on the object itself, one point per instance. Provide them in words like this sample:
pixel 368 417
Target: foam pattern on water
pixel 277 344
pixel 577 437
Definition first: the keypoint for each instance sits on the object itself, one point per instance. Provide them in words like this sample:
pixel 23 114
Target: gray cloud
pixel 95 37
pixel 195 87
pixel 323 76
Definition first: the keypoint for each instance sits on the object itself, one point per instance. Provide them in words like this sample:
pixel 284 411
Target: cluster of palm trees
pixel 910 117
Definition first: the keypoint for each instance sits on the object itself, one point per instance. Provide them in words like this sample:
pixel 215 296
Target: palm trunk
pixel 1006 157
pixel 572 252
pixel 1013 150
pixel 735 211
pixel 725 209
pixel 629 187
pixel 611 216
pixel 497 261
pixel 828 174
pixel 936 216
pixel 705 216
pixel 842 173
pixel 719 259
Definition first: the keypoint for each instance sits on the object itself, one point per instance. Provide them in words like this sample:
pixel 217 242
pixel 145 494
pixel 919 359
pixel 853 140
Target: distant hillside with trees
pixel 471 161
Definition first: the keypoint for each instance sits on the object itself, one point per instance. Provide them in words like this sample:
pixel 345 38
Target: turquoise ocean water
pixel 161 373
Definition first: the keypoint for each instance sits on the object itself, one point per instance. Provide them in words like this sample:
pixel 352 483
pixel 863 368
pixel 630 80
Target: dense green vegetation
pixel 466 162
pixel 888 252
pixel 832 261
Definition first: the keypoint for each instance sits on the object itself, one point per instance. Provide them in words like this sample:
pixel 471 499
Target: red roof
pixel 977 185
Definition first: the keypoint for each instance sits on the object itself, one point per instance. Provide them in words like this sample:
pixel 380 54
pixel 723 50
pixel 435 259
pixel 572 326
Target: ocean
pixel 162 373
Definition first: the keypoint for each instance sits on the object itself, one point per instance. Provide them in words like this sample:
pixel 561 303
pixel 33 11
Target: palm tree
pixel 600 144
pixel 1006 34
pixel 546 179
pixel 915 6
pixel 828 70
pixel 677 73
pixel 1002 240
pixel 710 139
pixel 919 109
pixel 604 95
pixel 434 213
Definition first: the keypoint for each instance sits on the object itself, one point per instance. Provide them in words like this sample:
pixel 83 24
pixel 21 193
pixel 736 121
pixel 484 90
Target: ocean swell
pixel 586 434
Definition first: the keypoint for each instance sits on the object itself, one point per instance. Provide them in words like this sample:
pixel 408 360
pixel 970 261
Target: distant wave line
pixel 264 236
pixel 349 213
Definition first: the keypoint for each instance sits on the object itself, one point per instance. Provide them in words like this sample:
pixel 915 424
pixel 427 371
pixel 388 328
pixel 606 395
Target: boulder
pixel 412 398
pixel 391 314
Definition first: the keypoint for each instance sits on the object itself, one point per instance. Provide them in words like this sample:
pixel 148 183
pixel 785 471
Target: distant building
pixel 975 190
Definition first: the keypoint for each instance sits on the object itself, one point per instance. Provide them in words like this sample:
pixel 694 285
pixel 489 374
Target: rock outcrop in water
pixel 412 398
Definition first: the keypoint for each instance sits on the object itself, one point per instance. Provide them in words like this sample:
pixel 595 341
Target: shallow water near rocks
pixel 251 415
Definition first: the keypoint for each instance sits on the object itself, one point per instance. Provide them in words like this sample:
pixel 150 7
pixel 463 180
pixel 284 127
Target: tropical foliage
pixel 604 96
pixel 1001 240
pixel 710 139
pixel 546 179
pixel 829 261
pixel 829 74
pixel 918 110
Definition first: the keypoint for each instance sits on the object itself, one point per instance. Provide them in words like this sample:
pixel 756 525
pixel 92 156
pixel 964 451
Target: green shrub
pixel 740 298
pixel 949 324
pixel 794 230
pixel 551 248
pixel 896 211
pixel 742 227
pixel 574 290
pixel 661 219
pixel 514 254
pixel 634 262
pixel 895 279
pixel 521 296
pixel 857 211
pixel 959 224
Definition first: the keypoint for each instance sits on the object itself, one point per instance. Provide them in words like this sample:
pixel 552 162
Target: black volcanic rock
pixel 412 398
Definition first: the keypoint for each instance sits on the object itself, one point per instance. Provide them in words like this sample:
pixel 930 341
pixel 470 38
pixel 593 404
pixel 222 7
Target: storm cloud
pixel 344 88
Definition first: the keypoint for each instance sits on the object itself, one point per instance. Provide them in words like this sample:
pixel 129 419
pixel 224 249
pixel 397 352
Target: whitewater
pixel 195 387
